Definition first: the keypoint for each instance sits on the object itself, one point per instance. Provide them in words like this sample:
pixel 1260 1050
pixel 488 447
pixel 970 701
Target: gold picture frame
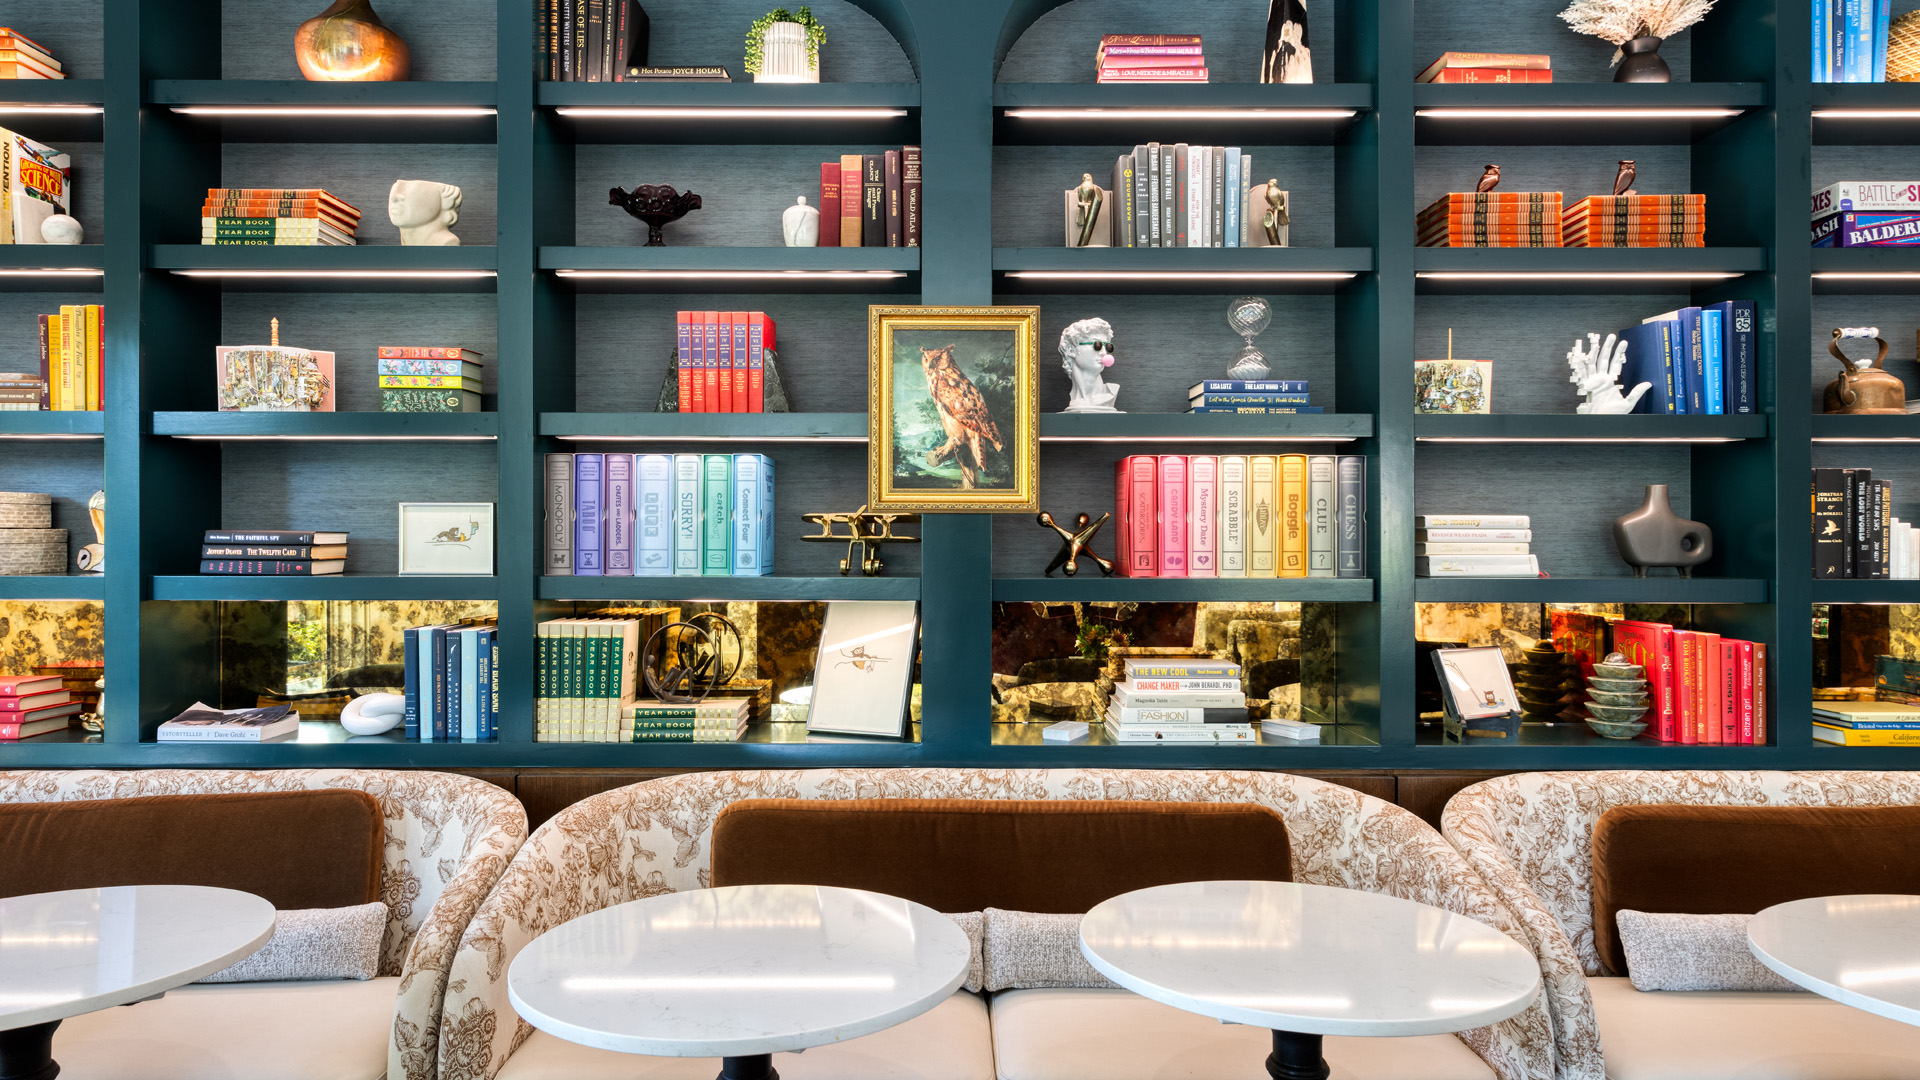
pixel 952 409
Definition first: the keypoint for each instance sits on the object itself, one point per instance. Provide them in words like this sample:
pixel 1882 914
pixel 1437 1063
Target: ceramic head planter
pixel 425 212
pixel 1086 351
pixel 1864 386
pixel 1654 536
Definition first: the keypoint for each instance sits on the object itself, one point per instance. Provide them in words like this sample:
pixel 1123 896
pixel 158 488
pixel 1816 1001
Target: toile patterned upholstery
pixel 1531 838
pixel 651 838
pixel 448 839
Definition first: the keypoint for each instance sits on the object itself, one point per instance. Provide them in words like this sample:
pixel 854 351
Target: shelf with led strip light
pixel 328 426
pixel 1865 429
pixel 1579 114
pixel 705 427
pixel 374 587
pixel 52 267
pixel 734 269
pixel 47 425
pixel 1866 114
pixel 695 589
pixel 695 113
pixel 1664 588
pixel 352 268
pixel 1108 270
pixel 1089 586
pixel 53 586
pixel 1579 428
pixel 1866 270
pixel 1555 271
pixel 1139 427
pixel 297 111
pixel 1248 114
pixel 1865 591
pixel 54 110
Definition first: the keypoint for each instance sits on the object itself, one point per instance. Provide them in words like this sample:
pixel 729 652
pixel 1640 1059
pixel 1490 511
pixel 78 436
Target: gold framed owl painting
pixel 952 408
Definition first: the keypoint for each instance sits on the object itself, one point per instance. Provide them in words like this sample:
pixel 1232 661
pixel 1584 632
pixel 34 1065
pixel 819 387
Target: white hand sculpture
pixel 1596 372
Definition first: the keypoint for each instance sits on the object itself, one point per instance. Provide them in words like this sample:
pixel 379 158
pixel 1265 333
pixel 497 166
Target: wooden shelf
pixel 1870 271
pixel 1157 271
pixel 331 587
pixel 358 268
pixel 53 587
pixel 1666 589
pixel 1866 429
pixel 1579 114
pixel 50 425
pixel 1205 427
pixel 1091 114
pixel 29 96
pixel 1838 99
pixel 705 427
pixel 743 113
pixel 1557 271
pixel 1883 591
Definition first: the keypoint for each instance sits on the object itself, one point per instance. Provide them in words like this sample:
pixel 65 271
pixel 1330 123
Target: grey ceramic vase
pixel 1640 61
pixel 1654 536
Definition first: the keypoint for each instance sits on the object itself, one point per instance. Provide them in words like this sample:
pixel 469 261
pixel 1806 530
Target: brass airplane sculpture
pixel 865 531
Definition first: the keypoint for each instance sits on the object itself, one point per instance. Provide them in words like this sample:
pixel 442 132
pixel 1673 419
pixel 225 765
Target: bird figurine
pixel 1489 179
pixel 1623 180
pixel 963 414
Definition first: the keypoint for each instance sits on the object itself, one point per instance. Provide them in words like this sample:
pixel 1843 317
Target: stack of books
pixel 1477 67
pixel 204 723
pixel 722 359
pixel 1297 731
pixel 21 57
pixel 1867 213
pixel 1866 723
pixel 1166 195
pixel 1707 689
pixel 1270 398
pixel 1700 360
pixel 1491 219
pixel 871 200
pixel 1635 221
pixel 79 678
pixel 1150 58
pixel 34 705
pixel 1473 545
pixel 659 515
pixel 305 217
pixel 72 359
pixel 1261 516
pixel 709 721
pixel 1855 534
pixel 452 682
pixel 1181 700
pixel 273 552
pixel 1850 40
pixel 23 391
pixel 429 378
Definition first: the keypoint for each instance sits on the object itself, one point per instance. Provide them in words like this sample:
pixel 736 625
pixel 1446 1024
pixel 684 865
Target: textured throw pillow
pixel 1026 950
pixel 1692 952
pixel 315 943
pixel 974 923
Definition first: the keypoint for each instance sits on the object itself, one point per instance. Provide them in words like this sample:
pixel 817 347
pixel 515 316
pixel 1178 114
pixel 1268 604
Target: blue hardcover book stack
pixel 1275 397
pixel 1700 360
pixel 1850 40
pixel 452 676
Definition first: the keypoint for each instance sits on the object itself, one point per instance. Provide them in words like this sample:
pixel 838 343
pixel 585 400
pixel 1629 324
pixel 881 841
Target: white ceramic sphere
pixel 371 714
pixel 61 229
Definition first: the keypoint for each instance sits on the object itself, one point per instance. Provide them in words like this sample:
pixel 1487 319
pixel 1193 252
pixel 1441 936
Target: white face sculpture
pixel 413 203
pixel 1093 353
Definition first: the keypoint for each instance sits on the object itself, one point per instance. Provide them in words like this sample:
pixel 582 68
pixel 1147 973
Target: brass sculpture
pixel 1087 212
pixel 1074 543
pixel 1623 180
pixel 1863 387
pixel 865 531
pixel 348 43
pixel 1489 179
pixel 1276 216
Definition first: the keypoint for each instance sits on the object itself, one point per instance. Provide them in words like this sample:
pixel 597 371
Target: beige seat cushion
pixel 1075 1034
pixel 948 1042
pixel 1748 1035
pixel 237 1031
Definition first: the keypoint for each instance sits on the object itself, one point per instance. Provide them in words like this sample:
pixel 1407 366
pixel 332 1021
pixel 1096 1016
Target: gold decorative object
pixel 93 557
pixel 1073 544
pixel 1276 217
pixel 1903 48
pixel 1863 387
pixel 865 531
pixel 348 43
pixel 1087 211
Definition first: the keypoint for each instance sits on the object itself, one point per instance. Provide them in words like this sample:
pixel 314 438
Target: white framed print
pixel 1477 682
pixel 446 538
pixel 863 675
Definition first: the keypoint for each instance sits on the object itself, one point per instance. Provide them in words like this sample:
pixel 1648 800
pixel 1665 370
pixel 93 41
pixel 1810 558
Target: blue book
pixel 449 728
pixel 437 669
pixel 1235 204
pixel 1882 13
pixel 1247 386
pixel 1257 410
pixel 653 537
pixel 1689 371
pixel 1821 43
pixel 469 684
pixel 1646 362
pixel 1738 345
pixel 493 684
pixel 1210 400
pixel 752 515
pixel 589 515
pixel 483 684
pixel 1852 53
pixel 1837 32
pixel 1713 357
pixel 686 514
pixel 410 664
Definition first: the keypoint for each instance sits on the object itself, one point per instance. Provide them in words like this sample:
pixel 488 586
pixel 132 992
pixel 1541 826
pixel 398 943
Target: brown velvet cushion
pixel 1736 860
pixel 967 855
pixel 297 849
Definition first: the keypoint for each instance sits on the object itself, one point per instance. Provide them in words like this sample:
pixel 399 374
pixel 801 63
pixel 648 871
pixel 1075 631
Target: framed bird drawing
pixel 952 409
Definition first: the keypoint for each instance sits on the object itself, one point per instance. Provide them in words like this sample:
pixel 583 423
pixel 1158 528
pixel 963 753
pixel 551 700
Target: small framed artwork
pixel 1442 387
pixel 952 408
pixel 863 676
pixel 446 538
pixel 1476 682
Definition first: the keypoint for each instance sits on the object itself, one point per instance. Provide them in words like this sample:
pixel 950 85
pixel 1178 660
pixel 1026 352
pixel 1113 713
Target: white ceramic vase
pixel 800 224
pixel 783 55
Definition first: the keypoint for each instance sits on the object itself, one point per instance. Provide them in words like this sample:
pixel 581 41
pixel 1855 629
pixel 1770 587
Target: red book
pixel 32 702
pixel 1172 502
pixel 697 376
pixel 851 186
pixel 742 394
pixel 759 402
pixel 1110 40
pixel 759 332
pixel 37 723
pixel 1651 646
pixel 1708 694
pixel 1150 50
pixel 1140 74
pixel 1686 646
pixel 1729 687
pixel 25 685
pixel 710 368
pixel 1109 62
pixel 1760 711
pixel 723 368
pixel 829 204
pixel 1493 75
pixel 683 368
pixel 1134 505
pixel 1745 678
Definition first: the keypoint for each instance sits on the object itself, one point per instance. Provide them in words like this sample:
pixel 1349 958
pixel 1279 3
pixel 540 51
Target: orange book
pixel 851 183
pixel 1687 664
pixel 1492 75
pixel 1293 515
pixel 710 371
pixel 17 66
pixel 1761 714
pixel 683 368
pixel 1707 690
pixel 96 353
pixel 724 383
pixel 742 392
pixel 1591 242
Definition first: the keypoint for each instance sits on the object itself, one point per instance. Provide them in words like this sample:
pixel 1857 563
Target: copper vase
pixel 348 43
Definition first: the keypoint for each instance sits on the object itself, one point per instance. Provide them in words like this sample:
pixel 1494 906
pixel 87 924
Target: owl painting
pixel 963 415
pixel 952 401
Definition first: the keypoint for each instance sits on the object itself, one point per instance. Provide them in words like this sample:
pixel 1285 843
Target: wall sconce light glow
pixel 1183 275
pixel 727 112
pixel 357 112
pixel 1575 114
pixel 1179 114
pixel 1577 275
pixel 725 275
pixel 387 275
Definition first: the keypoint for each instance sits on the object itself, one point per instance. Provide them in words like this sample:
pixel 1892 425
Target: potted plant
pixel 784 46
pixel 1637 27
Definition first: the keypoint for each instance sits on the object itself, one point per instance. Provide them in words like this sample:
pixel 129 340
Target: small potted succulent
pixel 784 46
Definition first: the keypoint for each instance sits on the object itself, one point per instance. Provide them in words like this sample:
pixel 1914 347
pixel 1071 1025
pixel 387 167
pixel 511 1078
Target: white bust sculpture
pixel 425 212
pixel 1086 350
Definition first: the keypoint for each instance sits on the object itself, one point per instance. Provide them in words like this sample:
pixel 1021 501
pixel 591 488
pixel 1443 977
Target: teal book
pixel 686 515
pixel 716 498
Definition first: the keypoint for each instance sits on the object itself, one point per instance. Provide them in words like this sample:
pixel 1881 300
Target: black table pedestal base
pixel 1296 1057
pixel 751 1067
pixel 26 1053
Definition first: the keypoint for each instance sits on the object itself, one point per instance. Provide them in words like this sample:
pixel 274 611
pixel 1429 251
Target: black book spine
pixel 1218 200
pixel 1350 522
pixel 234 536
pixel 1883 529
pixel 873 198
pixel 565 27
pixel 891 160
pixel 246 551
pixel 1152 201
pixel 579 39
pixel 1142 204
pixel 910 195
pixel 1829 523
pixel 266 568
pixel 1860 521
pixel 610 38
pixel 596 37
pixel 437 728
pixel 410 680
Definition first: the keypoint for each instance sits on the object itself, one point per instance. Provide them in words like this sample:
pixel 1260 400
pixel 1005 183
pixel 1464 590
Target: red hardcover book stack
pixel 1704 689
pixel 1151 58
pixel 1635 221
pixel 33 705
pixel 721 359
pixel 1491 219
pixel 24 58
pixel 1473 67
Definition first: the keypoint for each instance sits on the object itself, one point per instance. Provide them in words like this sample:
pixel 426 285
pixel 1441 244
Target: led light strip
pixel 714 438
pixel 1234 438
pixel 1575 114
pixel 53 110
pixel 1095 113
pixel 728 112
pixel 336 438
pixel 1183 275
pixel 373 274
pixel 357 112
pixel 1865 275
pixel 1576 439
pixel 726 275
pixel 52 272
pixel 1857 439
pixel 1577 275
pixel 60 435
pixel 1866 114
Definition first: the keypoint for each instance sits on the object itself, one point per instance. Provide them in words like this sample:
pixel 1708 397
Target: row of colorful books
pixel 33 705
pixel 1273 397
pixel 1474 545
pixel 72 364
pixel 1701 361
pixel 1705 689
pixel 1892 718
pixel 429 378
pixel 1150 58
pixel 1855 534
pixel 1537 219
pixel 1850 40
pixel 452 673
pixel 1179 700
pixel 722 359
pixel 659 515
pixel 871 200
pixel 1180 195
pixel 273 552
pixel 1476 67
pixel 1259 516
pixel 21 57
pixel 301 217
pixel 1867 213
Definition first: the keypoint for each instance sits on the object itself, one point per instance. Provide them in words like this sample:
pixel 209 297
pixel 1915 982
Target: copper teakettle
pixel 1863 390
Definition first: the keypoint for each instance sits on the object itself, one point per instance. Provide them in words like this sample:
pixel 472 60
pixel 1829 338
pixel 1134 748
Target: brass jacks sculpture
pixel 1074 543
pixel 866 532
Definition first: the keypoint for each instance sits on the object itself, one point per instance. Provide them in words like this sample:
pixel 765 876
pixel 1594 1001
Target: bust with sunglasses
pixel 1086 350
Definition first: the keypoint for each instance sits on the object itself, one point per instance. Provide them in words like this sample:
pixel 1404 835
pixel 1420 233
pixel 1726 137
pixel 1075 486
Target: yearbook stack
pixel 1491 219
pixel 709 720
pixel 34 705
pixel 452 673
pixel 301 217
pixel 1641 221
pixel 1150 58
pixel 273 553
pixel 1274 397
pixel 1474 545
pixel 871 200
pixel 659 515
pixel 429 378
pixel 1260 516
pixel 1179 700
pixel 721 360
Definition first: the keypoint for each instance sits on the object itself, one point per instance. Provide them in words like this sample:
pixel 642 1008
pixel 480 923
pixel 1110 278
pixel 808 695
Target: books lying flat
pixel 56 720
pixel 1476 566
pixel 272 536
pixel 11 707
pixel 1469 549
pixel 1294 730
pixel 1132 698
pixel 1863 715
pixel 1452 61
pixel 1247 386
pixel 25 685
pixel 274 567
pixel 1172 667
pixel 203 723
pixel 1473 536
pixel 1156 716
pixel 1190 733
pixel 1139 685
pixel 1471 521
pixel 1840 736
pixel 273 551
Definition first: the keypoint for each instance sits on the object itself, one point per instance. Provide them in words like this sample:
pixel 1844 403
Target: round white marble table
pixel 738 973
pixel 1308 960
pixel 67 953
pixel 1862 951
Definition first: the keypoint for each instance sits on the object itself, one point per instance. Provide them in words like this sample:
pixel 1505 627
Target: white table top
pixel 1309 958
pixel 738 971
pixel 1862 951
pixel 74 952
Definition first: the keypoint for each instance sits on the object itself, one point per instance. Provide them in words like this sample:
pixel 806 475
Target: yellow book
pixel 54 399
pixel 1293 515
pixel 1262 519
pixel 93 356
pixel 1854 737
